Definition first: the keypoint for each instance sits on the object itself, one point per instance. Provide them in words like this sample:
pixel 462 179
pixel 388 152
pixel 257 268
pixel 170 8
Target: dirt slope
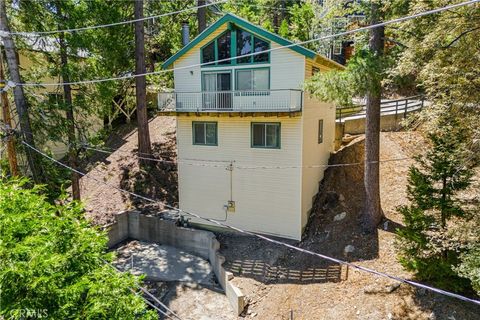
pixel 120 169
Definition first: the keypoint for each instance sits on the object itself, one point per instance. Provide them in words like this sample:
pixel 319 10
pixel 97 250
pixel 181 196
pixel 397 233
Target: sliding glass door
pixel 217 88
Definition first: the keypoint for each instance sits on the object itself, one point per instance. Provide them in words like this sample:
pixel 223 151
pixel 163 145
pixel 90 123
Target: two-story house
pixel 251 144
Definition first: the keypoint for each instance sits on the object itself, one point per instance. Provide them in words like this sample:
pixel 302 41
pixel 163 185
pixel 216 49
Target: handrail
pixel 226 91
pixel 270 100
pixel 398 106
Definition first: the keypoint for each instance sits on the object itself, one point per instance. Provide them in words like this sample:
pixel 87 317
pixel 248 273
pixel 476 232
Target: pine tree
pixel 427 244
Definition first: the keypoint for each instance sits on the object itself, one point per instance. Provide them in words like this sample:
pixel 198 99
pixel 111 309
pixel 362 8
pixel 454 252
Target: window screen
pixel 253 79
pixel 205 133
pixel 266 135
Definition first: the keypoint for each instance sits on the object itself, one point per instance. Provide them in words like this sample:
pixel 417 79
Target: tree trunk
pixel 144 146
pixel 19 97
pixel 67 96
pixel 278 15
pixel 373 212
pixel 7 119
pixel 201 16
pixel 443 208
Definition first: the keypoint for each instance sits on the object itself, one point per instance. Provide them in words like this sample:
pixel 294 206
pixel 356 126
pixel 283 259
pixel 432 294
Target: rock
pixel 392 287
pixel 379 288
pixel 385 225
pixel 253 315
pixel 348 249
pixel 341 198
pixel 340 216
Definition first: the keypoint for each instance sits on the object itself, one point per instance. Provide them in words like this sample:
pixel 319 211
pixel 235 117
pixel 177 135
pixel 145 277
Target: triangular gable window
pixel 235 42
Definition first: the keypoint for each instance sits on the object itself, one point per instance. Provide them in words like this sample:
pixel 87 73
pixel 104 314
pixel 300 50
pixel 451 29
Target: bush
pixel 52 262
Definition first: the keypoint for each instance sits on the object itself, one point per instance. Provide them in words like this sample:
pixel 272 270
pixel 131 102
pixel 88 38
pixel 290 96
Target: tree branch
pixel 459 37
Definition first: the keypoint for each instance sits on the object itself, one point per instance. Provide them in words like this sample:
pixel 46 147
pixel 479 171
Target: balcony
pixel 287 100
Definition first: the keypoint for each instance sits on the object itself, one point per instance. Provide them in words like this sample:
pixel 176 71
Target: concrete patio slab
pixel 163 263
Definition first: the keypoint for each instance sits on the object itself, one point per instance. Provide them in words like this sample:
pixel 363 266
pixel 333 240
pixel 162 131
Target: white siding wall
pixel 267 200
pixel 287 68
pixel 314 153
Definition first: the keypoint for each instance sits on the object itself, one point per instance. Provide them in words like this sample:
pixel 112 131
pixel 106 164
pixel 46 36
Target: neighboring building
pixel 252 111
pixel 34 55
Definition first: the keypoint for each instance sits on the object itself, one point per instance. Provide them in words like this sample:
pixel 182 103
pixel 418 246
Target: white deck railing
pixel 228 101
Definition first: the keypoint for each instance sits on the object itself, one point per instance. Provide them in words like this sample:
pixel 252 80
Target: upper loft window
pixel 236 43
pixel 218 49
pixel 247 44
pixel 224 48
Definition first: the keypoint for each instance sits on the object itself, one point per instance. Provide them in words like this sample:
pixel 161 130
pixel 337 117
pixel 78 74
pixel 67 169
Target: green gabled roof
pixel 244 24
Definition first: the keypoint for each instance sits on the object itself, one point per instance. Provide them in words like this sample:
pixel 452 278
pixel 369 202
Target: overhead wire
pixel 71 30
pixel 281 243
pixel 296 44
pixel 368 270
pixel 148 293
pixel 190 161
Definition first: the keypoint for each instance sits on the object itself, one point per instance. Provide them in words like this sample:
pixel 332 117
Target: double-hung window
pixel 205 133
pixel 253 79
pixel 266 135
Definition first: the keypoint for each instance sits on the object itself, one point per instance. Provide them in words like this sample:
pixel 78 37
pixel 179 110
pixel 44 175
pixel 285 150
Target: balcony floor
pixel 291 114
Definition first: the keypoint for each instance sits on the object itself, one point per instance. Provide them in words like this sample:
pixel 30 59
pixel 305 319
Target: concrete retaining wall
pixel 134 225
pixel 387 123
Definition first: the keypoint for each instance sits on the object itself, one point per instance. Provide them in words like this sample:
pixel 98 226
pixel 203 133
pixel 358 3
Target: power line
pixel 39 33
pixel 397 20
pixel 148 293
pixel 221 224
pixel 193 161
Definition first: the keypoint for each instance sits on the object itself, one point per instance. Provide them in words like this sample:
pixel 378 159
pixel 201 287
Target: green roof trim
pixel 231 18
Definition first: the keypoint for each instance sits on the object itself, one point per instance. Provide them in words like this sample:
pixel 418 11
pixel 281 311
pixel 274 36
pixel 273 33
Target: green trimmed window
pixel 247 44
pixel 218 49
pixel 205 133
pixel 252 79
pixel 266 135
pixel 235 42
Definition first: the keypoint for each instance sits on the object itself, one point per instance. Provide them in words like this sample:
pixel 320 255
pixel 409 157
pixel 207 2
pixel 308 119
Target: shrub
pixel 52 262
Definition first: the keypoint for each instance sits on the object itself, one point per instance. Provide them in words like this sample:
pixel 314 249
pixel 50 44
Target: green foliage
pixel 51 262
pixel 363 71
pixel 429 243
pixel 470 267
pixel 295 20
pixel 441 52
